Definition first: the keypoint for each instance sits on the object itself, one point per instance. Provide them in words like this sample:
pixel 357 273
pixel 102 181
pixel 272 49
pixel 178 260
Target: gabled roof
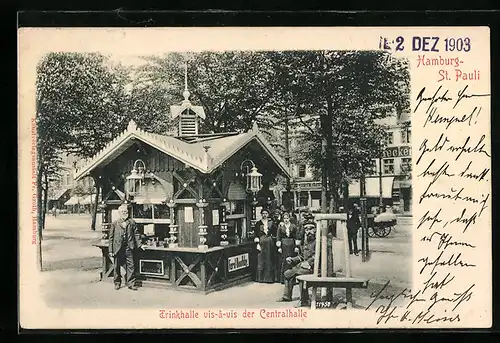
pixel 176 148
pixel 192 154
pixel 221 149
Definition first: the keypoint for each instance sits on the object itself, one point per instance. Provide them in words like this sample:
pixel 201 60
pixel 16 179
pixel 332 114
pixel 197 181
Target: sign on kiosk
pixel 237 262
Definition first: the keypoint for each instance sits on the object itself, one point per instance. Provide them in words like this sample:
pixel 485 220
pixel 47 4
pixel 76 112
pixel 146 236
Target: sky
pixel 128 60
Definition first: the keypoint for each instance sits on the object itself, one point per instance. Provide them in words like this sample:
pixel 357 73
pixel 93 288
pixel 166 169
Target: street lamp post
pixel 287 159
pixel 299 190
pixel 381 199
pixel 364 226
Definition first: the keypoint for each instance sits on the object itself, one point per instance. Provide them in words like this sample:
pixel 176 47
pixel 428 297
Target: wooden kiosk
pixel 195 199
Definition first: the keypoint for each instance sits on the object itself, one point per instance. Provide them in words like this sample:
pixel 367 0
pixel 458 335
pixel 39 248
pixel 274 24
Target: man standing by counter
pixel 123 241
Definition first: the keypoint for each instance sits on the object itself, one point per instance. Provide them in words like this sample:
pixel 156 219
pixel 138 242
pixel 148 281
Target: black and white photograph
pixel 206 179
pixel 204 184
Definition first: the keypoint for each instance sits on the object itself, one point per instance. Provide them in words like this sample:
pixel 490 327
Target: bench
pixel 311 281
pixel 108 264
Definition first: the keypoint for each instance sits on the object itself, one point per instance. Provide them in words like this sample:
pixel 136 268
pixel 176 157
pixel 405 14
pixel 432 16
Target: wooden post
pixel 324 255
pixel 364 233
pixel 317 251
pixel 202 228
pixel 324 247
pixel 223 224
pixel 381 194
pixel 313 297
pixel 346 250
pixel 333 254
pixel 348 296
pixel 172 242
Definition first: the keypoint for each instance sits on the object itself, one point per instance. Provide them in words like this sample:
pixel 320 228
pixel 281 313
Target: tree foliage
pixel 84 100
pixel 232 87
pixel 348 91
pixel 79 101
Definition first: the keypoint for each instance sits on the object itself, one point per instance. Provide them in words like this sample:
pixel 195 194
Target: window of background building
pixel 389 166
pixel 406 136
pixel 406 165
pixel 302 170
pixel 390 137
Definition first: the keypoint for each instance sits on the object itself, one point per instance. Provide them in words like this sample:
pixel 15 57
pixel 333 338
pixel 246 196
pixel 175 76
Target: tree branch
pixel 314 133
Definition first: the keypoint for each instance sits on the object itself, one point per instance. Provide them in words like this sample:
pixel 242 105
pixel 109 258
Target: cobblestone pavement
pixel 71 274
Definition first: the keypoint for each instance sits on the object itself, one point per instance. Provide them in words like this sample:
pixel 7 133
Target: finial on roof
pixel 205 156
pixel 132 126
pixel 255 127
pixel 186 93
pixel 186 76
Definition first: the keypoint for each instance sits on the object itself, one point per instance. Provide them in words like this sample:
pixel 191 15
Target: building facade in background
pixel 389 182
pixel 69 194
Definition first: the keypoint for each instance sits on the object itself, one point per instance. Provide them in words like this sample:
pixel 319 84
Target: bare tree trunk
pixel 330 156
pixel 39 216
pixel 345 186
pixel 45 199
pixel 289 204
pixel 94 205
pixel 324 179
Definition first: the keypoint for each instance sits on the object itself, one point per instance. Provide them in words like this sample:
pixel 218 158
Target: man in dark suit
pixel 123 242
pixel 353 225
pixel 301 264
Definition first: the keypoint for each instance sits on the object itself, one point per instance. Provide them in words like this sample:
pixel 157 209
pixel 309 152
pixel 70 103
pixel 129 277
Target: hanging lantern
pixel 133 182
pixel 136 178
pixel 254 181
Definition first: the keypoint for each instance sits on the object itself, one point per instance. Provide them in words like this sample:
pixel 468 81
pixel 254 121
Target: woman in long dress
pixel 265 236
pixel 288 242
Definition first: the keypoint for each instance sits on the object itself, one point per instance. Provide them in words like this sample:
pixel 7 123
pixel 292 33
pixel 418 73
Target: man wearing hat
pixel 123 242
pixel 304 262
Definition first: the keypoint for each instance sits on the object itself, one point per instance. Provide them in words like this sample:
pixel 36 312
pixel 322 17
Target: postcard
pixel 255 178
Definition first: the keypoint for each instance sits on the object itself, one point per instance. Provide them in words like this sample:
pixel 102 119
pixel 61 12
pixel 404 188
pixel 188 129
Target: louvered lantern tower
pixel 187 115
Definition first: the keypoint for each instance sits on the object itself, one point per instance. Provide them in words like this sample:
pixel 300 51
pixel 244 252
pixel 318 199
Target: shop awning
pixel 373 187
pixel 402 184
pixel 59 194
pixel 74 200
pixel 89 199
